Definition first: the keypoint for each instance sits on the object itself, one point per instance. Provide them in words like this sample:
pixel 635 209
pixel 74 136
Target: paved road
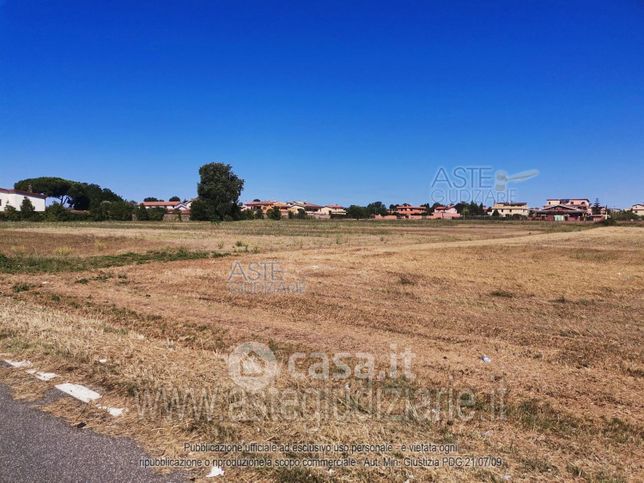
pixel 38 447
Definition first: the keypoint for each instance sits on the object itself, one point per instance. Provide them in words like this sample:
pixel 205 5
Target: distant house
pixel 167 205
pixel 508 209
pixel 174 210
pixel 638 209
pixel 310 209
pixel 14 198
pixel 333 211
pixel 294 208
pixel 183 207
pixel 561 213
pixel 409 212
pixel 445 212
pixel 255 205
pixel 578 203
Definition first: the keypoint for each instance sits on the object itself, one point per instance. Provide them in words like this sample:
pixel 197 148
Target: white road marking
pixel 43 376
pixel 18 364
pixel 79 392
pixel 76 391
pixel 116 412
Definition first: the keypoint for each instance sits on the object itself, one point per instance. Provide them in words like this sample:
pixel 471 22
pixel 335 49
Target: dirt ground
pixel 524 343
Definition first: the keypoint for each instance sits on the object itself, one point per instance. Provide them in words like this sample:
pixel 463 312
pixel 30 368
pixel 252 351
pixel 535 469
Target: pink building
pixel 445 212
pixel 410 212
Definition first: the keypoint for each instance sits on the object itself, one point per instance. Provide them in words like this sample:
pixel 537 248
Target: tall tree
pixel 218 193
pixel 50 186
pixel 597 207
pixel 377 208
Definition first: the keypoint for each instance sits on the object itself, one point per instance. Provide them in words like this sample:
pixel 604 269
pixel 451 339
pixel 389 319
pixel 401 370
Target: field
pixel 526 340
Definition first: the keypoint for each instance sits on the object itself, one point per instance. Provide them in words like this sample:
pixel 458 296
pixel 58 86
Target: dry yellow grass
pixel 557 309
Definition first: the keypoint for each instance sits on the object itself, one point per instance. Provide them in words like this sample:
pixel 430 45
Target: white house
pixel 333 210
pixel 638 209
pixel 16 197
pixel 510 209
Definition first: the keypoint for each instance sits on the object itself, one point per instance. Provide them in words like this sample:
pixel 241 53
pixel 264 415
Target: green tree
pixel 218 193
pixel 56 212
pixel 141 213
pixel 11 213
pixel 50 186
pixel 495 213
pixel 175 198
pixel 199 210
pixel 156 214
pixel 112 210
pixel 377 208
pixel 357 212
pixel 274 213
pixel 597 207
pixel 27 210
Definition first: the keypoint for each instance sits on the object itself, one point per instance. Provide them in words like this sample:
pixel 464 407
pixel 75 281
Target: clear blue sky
pixel 329 101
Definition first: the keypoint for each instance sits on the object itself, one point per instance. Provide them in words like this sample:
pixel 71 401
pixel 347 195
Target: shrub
pixel 274 213
pixel 11 214
pixel 112 210
pixel 199 211
pixel 155 214
pixel 56 212
pixel 27 209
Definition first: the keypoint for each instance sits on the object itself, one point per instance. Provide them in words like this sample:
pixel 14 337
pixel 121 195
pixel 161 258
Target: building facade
pixel 510 209
pixel 14 198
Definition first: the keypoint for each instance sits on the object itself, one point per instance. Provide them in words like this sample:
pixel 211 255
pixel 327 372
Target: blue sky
pixel 330 101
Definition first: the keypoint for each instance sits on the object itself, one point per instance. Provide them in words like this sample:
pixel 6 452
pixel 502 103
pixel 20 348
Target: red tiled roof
pixel 259 203
pixel 162 204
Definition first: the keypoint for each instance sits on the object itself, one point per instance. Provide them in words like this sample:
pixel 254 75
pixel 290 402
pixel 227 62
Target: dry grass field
pixel 146 314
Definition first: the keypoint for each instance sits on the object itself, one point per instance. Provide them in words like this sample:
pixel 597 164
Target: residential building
pixel 11 197
pixel 255 205
pixel 333 211
pixel 445 212
pixel 561 212
pixel 509 209
pixel 578 203
pixel 166 205
pixel 310 209
pixel 409 212
pixel 638 209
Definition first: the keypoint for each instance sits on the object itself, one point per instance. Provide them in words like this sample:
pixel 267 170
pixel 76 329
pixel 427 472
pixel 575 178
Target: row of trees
pixel 72 194
pixel 107 210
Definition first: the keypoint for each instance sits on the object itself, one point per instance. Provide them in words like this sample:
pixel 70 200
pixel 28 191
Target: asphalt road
pixel 38 447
